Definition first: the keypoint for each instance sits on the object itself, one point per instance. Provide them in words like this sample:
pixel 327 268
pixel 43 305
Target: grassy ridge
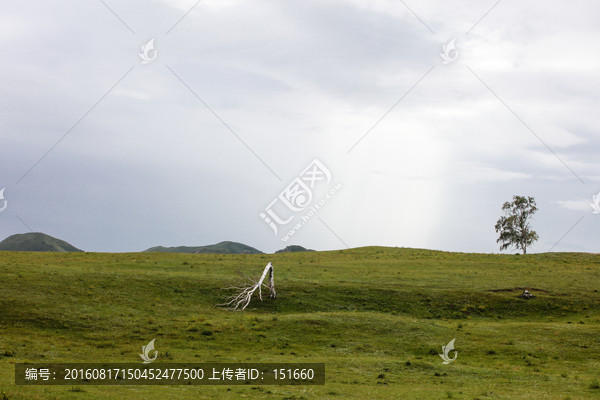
pixel 376 316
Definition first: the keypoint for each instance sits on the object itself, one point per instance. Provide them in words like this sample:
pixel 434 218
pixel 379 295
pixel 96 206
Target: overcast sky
pixel 239 97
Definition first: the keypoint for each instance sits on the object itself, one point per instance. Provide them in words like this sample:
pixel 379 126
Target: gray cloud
pixel 295 80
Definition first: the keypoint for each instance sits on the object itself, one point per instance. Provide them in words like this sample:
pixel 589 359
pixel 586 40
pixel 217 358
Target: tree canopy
pixel 514 228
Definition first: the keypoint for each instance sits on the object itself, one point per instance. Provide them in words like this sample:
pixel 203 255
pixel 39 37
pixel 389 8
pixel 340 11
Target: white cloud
pixel 582 205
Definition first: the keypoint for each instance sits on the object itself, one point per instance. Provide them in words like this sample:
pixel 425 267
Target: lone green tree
pixel 514 227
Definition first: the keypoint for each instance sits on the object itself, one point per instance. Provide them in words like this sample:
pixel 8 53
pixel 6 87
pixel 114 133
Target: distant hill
pixel 293 249
pixel 219 248
pixel 35 241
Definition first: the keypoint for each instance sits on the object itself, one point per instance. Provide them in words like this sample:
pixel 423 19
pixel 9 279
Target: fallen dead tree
pixel 241 299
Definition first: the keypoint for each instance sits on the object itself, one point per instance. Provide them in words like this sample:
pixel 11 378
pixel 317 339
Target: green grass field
pixel 377 317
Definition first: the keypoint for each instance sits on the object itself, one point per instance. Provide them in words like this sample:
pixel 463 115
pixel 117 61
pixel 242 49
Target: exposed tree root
pixel 244 294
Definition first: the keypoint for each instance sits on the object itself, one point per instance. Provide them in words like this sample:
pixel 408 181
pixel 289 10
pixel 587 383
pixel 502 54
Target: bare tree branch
pixel 241 300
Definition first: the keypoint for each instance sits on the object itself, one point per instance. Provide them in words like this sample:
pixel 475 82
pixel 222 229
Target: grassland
pixel 377 317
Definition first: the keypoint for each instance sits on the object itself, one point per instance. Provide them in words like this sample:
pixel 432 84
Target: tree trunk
pixel 272 294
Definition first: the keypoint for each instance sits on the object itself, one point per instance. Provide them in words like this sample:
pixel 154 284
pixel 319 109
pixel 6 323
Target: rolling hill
pixel 35 241
pixel 293 249
pixel 219 248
